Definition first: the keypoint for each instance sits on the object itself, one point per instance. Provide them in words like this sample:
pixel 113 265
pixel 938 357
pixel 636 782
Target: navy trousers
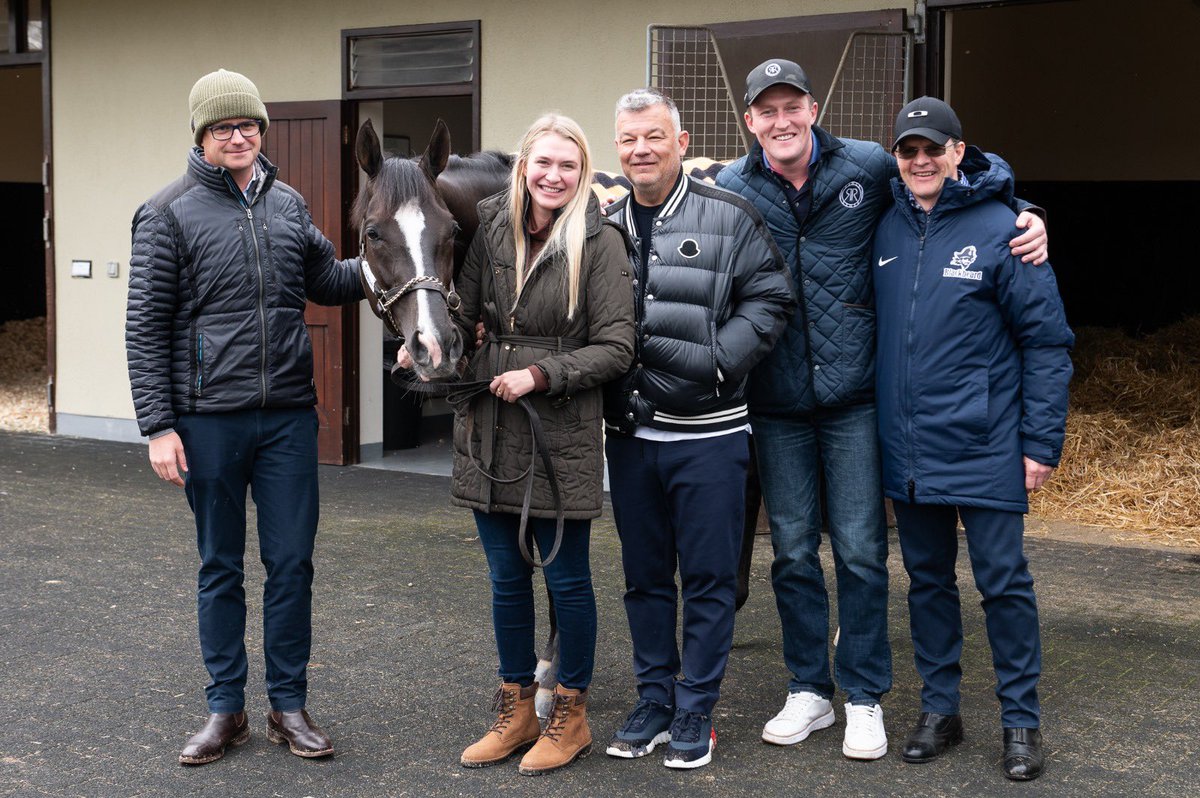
pixel 274 453
pixel 995 544
pixel 679 505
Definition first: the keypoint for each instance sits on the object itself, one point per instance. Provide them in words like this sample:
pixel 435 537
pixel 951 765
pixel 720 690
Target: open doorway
pixel 407 126
pixel 23 330
pixel 1088 100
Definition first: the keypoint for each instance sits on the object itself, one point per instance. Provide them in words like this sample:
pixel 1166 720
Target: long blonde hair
pixel 570 228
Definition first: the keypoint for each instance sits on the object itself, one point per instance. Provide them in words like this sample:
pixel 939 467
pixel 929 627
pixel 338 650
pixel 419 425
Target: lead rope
pixel 461 393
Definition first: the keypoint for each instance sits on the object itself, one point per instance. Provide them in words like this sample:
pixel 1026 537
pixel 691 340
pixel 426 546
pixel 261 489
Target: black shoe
pixel 933 734
pixel 1023 757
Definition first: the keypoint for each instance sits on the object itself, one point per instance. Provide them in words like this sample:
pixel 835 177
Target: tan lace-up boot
pixel 566 736
pixel 516 727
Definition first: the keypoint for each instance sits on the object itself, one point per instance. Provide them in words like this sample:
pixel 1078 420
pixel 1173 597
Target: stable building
pixel 1078 95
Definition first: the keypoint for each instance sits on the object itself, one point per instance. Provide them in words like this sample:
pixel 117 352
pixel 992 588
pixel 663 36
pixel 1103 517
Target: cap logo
pixel 915 114
pixel 772 70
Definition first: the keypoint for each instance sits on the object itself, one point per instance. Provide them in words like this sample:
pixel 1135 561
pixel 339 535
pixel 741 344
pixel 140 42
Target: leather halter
pixel 385 298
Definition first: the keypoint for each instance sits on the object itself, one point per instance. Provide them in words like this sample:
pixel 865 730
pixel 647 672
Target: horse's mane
pixel 403 176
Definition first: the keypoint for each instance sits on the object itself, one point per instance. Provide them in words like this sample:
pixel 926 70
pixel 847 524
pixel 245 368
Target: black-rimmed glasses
pixel 224 131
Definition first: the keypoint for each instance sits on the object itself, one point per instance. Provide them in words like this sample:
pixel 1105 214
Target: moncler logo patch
pixel 962 259
pixel 851 194
pixel 689 248
pixel 772 70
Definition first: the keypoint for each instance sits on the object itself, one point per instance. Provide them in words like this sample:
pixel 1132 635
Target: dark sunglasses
pixel 932 150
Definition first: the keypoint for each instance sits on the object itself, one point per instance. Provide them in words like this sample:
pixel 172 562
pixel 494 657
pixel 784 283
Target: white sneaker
pixel 803 714
pixel 865 735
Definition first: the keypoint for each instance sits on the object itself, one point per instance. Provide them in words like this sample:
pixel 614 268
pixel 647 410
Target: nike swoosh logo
pixel 883 262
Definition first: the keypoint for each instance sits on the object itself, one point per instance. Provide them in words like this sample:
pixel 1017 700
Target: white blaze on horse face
pixel 411 220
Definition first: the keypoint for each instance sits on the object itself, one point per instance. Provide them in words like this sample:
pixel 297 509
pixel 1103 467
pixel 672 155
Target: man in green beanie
pixel 224 260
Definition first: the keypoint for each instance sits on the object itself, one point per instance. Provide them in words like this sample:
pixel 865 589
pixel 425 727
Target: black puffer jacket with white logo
pixel 711 303
pixel 217 290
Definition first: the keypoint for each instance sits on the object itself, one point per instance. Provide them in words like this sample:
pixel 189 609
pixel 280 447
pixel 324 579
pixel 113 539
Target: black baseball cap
pixel 928 117
pixel 773 72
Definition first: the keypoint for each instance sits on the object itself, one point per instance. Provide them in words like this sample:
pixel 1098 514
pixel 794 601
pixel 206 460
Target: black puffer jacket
pixel 217 289
pixel 494 435
pixel 711 303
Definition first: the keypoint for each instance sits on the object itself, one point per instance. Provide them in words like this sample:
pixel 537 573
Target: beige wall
pixel 21 132
pixel 122 71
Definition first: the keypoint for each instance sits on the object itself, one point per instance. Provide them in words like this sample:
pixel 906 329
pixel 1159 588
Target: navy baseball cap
pixel 772 73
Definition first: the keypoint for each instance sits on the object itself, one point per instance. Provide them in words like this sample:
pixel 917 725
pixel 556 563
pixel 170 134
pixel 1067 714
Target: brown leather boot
pixel 223 729
pixel 516 727
pixel 566 738
pixel 303 737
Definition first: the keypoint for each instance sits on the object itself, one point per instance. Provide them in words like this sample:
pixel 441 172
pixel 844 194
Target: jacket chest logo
pixel 851 195
pixel 961 260
pixel 688 248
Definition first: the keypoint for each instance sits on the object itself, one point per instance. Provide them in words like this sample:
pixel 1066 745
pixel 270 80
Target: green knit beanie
pixel 224 95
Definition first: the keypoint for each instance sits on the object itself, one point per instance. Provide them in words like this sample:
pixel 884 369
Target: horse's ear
pixel 437 154
pixel 370 158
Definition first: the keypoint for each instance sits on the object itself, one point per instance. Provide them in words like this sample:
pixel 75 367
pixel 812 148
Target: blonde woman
pixel 550 279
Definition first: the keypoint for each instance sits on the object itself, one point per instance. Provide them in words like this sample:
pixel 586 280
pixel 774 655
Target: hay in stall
pixel 1131 460
pixel 23 376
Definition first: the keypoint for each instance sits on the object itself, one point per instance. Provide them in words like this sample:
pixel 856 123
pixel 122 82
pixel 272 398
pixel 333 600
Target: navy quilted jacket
pixel 974 348
pixel 217 290
pixel 825 357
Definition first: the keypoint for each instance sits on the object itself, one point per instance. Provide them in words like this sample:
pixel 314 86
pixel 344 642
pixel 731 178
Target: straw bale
pixel 1131 459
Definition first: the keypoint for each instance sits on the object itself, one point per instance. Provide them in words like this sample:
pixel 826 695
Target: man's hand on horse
pixel 167 458
pixel 512 385
pixel 1032 245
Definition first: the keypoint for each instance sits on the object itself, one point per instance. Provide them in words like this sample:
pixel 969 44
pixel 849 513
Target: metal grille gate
pixel 683 63
pixel 867 90
pixel 871 84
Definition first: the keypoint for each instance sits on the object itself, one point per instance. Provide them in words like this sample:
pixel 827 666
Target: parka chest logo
pixel 851 195
pixel 962 259
pixel 688 248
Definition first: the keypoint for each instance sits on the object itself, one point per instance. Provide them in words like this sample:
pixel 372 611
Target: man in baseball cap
pixel 987 341
pixel 812 403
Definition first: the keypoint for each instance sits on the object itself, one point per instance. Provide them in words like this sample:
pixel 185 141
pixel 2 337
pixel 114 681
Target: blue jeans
pixel 842 445
pixel 995 544
pixel 569 580
pixel 274 453
pixel 679 505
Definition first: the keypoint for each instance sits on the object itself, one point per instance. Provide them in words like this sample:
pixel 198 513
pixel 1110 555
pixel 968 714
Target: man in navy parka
pixel 971 383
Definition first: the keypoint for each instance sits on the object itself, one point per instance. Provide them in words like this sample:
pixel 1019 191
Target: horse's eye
pixel 372 234
pixel 455 230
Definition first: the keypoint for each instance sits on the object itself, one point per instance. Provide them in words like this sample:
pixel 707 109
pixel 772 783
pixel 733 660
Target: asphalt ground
pixel 101 680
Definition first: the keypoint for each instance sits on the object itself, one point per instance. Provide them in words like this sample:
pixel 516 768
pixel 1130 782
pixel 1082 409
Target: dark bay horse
pixel 416 219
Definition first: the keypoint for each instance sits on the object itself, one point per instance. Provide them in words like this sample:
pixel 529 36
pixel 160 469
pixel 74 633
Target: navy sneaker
pixel 647 726
pixel 693 739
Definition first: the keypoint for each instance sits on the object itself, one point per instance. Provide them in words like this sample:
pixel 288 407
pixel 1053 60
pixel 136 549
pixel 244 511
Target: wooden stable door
pixel 306 141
